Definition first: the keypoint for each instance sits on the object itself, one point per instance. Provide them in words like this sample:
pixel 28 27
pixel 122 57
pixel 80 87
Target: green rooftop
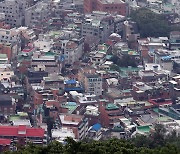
pixel 19 115
pixel 14 117
pixel 21 58
pixel 126 90
pixel 156 110
pixel 108 57
pixel 49 53
pixel 71 106
pixel 163 118
pixel 111 106
pixel 118 129
pixel 144 129
pixel 3 56
pixel 22 114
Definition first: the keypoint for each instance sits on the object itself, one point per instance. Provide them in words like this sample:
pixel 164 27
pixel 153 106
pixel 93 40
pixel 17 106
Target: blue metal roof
pixel 70 82
pixel 71 103
pixel 166 58
pixel 73 89
pixel 96 127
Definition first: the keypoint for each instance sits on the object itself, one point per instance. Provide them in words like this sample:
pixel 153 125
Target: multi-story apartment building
pixel 7 105
pixel 72 52
pixel 78 123
pixel 164 59
pixel 6 72
pixel 91 81
pixel 3 22
pixel 28 34
pixel 10 42
pixel 61 134
pixel 93 84
pixel 130 31
pixel 37 14
pixel 98 25
pixel 14 11
pixel 10 36
pixel 69 46
pixel 44 43
pixel 111 6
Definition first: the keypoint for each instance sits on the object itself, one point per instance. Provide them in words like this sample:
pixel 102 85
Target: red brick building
pixel 6 49
pixel 109 114
pixel 7 105
pixel 110 6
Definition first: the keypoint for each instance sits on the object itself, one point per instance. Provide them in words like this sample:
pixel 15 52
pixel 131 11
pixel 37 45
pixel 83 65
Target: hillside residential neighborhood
pixel 86 69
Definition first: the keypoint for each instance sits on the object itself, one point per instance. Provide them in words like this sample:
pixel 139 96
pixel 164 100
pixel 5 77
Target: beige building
pixel 14 11
pixel 91 81
pixel 5 72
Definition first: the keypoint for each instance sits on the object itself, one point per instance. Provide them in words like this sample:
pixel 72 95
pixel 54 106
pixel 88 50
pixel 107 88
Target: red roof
pixel 165 102
pixel 27 49
pixel 5 142
pixel 21 131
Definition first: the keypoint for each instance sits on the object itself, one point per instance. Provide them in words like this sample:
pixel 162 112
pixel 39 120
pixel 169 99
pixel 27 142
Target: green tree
pixel 150 24
pixel 54 148
pixel 142 141
pixel 111 146
pixel 124 61
pixel 159 135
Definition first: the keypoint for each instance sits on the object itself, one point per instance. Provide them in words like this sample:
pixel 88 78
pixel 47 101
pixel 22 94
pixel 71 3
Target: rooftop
pixel 111 106
pixel 70 82
pixel 3 56
pixel 144 129
pixel 63 133
pixel 71 106
pixel 15 131
pixel 96 127
pixel 112 1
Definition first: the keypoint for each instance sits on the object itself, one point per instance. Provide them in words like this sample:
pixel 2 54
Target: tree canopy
pixel 150 24
pixel 111 146
pixel 124 61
